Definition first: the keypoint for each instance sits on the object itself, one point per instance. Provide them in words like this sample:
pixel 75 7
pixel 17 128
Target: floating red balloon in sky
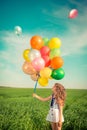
pixel 73 13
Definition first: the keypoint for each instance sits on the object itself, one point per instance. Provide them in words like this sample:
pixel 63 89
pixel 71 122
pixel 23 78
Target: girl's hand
pixel 34 95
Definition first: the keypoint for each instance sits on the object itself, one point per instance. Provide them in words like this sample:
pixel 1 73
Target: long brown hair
pixel 60 94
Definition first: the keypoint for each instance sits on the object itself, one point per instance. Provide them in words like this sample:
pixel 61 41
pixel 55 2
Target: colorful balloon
pixel 36 42
pixel 43 81
pixel 34 54
pixel 73 13
pixel 25 54
pixel 18 30
pixel 46 41
pixel 54 43
pixel 54 52
pixel 58 74
pixel 28 68
pixel 47 60
pixel 45 72
pixel 45 50
pixel 38 63
pixel 56 62
pixel 43 61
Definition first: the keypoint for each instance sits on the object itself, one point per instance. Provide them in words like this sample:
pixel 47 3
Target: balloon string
pixel 35 86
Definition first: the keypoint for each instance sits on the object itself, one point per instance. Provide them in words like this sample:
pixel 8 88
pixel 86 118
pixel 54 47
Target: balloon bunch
pixel 43 61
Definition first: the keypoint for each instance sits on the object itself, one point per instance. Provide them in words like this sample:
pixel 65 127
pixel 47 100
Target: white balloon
pixel 18 30
pixel 34 54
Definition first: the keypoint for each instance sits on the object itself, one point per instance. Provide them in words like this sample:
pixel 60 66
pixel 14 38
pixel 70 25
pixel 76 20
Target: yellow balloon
pixel 45 72
pixel 25 54
pixel 54 43
pixel 43 81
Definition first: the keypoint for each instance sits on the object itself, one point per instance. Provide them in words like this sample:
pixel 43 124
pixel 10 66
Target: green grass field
pixel 20 111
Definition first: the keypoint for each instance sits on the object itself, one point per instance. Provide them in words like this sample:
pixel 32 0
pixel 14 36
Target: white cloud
pixel 14 40
pixel 74 43
pixel 57 13
pixel 15 47
pixel 13 78
pixel 79 4
pixel 12 59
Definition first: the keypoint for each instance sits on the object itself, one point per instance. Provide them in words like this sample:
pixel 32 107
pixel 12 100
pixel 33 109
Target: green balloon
pixel 54 52
pixel 58 74
pixel 46 41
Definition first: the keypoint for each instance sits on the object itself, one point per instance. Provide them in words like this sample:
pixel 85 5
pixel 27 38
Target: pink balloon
pixel 73 13
pixel 38 63
pixel 45 50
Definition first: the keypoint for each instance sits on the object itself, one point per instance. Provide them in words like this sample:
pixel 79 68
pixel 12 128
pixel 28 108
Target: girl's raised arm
pixel 41 98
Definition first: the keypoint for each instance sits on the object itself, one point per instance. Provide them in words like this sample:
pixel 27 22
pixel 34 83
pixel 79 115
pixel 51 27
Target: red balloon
pixel 47 60
pixel 73 13
pixel 45 50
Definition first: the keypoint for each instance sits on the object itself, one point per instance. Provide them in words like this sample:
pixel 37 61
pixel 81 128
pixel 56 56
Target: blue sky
pixel 47 18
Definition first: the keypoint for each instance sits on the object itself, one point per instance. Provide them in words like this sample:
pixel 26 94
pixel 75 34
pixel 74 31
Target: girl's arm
pixel 42 99
pixel 60 115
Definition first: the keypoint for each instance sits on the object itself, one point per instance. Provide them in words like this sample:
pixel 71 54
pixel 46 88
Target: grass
pixel 20 111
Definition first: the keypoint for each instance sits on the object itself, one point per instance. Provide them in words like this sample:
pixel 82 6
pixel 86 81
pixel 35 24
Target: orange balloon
pixel 36 42
pixel 28 68
pixel 56 62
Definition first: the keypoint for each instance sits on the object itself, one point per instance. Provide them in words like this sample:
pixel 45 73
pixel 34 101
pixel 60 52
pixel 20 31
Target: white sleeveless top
pixel 55 105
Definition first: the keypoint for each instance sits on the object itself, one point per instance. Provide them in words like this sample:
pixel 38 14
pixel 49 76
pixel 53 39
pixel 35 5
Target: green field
pixel 20 111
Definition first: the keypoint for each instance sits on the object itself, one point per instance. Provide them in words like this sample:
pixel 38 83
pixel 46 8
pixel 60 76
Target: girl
pixel 55 115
